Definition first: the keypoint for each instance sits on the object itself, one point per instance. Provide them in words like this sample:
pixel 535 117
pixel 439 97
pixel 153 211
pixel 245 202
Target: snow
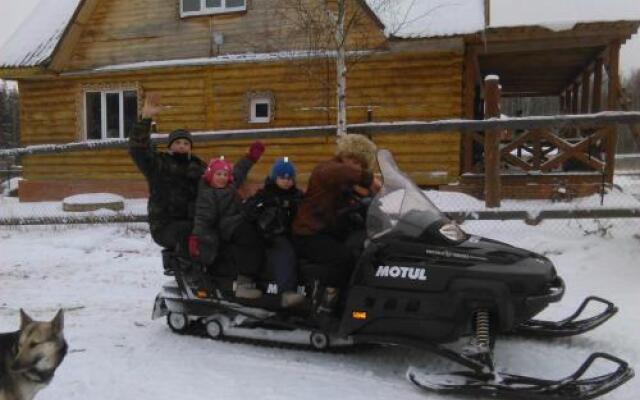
pixel 9 185
pixel 559 26
pixel 35 40
pixel 93 198
pixel 455 202
pixel 429 18
pixel 218 60
pixel 106 278
pixel 11 207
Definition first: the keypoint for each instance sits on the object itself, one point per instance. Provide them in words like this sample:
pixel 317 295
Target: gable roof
pixel 35 40
pixel 408 19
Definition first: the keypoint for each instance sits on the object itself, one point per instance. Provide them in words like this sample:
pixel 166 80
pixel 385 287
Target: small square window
pixel 260 110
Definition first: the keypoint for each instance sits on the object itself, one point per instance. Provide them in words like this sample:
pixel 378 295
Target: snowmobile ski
pixel 571 325
pixel 508 386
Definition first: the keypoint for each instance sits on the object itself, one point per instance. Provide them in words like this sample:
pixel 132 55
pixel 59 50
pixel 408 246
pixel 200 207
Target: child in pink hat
pixel 219 217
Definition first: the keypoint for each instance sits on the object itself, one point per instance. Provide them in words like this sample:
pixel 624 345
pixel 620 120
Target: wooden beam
pixel 575 98
pixel 532 45
pixel 468 107
pixel 596 104
pixel 613 96
pixel 584 99
pixel 20 73
pixel 492 189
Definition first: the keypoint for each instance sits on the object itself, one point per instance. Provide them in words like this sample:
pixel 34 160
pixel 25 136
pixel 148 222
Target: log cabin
pixel 83 67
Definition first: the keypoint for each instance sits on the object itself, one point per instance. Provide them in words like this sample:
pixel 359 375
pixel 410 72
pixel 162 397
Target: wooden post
pixel 487 13
pixel 468 107
pixel 596 105
pixel 574 98
pixel 584 100
pixel 492 186
pixel 613 99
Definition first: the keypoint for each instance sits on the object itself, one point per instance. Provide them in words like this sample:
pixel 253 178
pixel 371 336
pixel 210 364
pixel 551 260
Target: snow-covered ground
pixel 106 277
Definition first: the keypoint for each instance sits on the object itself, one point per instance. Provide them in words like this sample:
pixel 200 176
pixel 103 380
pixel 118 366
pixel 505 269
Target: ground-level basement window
pixel 203 7
pixel 110 114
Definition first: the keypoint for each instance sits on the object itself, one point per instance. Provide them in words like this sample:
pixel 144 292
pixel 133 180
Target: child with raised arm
pixel 219 218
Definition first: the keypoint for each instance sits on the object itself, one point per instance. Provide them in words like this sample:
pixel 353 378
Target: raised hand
pixel 152 106
pixel 255 151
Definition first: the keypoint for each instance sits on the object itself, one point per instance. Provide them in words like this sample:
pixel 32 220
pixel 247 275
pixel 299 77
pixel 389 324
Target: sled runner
pixel 421 282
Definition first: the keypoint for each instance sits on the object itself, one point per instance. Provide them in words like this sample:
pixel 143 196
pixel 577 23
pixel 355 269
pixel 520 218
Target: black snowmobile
pixel 420 281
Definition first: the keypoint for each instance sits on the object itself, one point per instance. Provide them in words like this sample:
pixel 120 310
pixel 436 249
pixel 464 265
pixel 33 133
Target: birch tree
pixel 331 30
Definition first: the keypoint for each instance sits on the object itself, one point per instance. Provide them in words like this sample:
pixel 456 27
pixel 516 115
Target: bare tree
pixel 335 31
pixel 329 35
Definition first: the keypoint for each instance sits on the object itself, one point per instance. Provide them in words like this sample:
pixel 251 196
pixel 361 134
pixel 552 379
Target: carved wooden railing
pixel 547 150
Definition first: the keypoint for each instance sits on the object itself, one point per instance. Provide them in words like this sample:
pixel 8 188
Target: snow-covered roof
pixel 429 18
pixel 35 40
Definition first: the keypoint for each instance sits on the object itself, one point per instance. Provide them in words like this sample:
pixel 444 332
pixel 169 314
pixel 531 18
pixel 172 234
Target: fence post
pixel 612 104
pixel 492 186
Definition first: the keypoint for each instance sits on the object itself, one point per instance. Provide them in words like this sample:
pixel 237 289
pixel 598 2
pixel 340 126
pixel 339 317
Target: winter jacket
pixel 172 178
pixel 273 209
pixel 219 212
pixel 325 196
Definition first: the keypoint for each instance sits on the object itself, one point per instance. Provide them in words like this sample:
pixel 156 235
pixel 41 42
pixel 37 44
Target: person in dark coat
pixel 317 232
pixel 219 218
pixel 172 177
pixel 272 209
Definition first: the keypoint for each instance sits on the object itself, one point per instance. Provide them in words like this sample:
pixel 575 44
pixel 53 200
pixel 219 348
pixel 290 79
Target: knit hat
pixel 283 168
pixel 357 146
pixel 179 134
pixel 218 164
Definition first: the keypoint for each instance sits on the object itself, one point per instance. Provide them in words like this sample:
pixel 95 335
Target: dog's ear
pixel 58 321
pixel 25 319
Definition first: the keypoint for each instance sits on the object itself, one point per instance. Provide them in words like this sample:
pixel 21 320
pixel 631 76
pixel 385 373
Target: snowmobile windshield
pixel 401 208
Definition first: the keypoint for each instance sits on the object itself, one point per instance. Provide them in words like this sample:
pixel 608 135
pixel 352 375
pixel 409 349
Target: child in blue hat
pixel 273 209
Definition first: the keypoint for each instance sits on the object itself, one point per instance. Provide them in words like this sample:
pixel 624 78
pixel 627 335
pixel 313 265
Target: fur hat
pixel 357 146
pixel 283 168
pixel 179 134
pixel 218 164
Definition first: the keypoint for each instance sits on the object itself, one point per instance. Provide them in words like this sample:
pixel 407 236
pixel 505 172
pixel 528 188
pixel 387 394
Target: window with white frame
pixel 203 7
pixel 110 113
pixel 260 110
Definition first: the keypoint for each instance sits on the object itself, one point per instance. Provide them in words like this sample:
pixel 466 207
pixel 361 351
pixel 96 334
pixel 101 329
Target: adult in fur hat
pixel 172 176
pixel 318 235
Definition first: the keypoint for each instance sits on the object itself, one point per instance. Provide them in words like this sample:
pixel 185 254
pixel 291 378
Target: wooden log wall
pixel 126 31
pixel 397 87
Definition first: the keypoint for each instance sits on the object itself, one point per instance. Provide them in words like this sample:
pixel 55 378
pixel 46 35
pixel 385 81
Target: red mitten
pixel 255 151
pixel 194 248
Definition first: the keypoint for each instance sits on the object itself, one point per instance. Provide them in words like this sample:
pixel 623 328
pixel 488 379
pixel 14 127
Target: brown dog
pixel 30 356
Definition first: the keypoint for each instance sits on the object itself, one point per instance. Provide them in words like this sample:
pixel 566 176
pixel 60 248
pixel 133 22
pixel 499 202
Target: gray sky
pixel 503 12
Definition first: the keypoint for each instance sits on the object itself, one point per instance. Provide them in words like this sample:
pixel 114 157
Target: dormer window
pixel 205 7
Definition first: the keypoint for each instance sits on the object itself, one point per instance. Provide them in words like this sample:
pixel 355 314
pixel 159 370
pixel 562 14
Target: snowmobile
pixel 420 281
